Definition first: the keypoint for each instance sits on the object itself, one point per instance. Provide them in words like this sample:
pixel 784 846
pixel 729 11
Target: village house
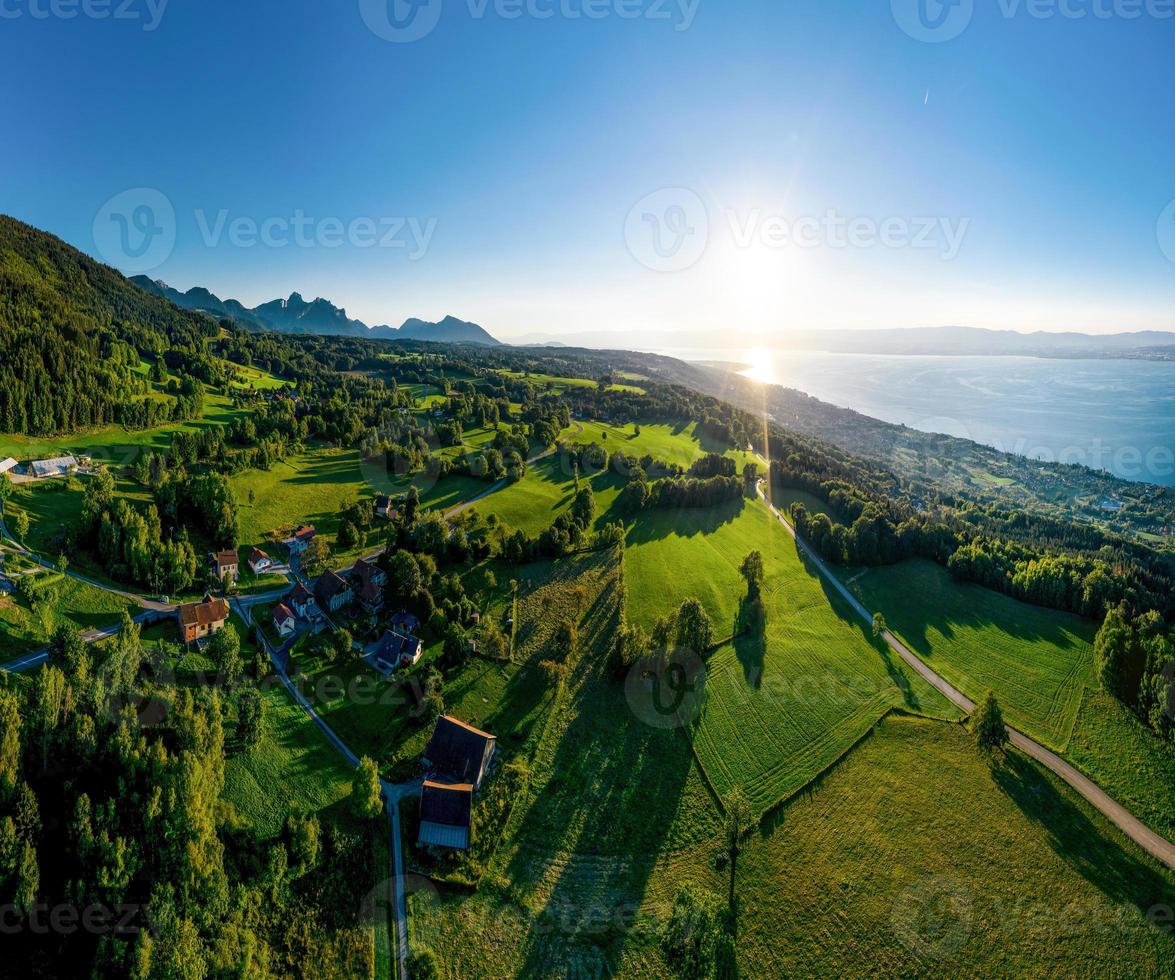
pixel 259 561
pixel 199 620
pixel 446 811
pixel 300 540
pixel 284 620
pixel 7 464
pixel 368 580
pixel 385 507
pixel 302 602
pixel 333 592
pixel 226 566
pixel 458 752
pixel 396 651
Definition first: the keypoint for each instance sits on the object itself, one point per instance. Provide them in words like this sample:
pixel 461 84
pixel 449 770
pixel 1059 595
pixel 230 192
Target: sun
pixel 760 366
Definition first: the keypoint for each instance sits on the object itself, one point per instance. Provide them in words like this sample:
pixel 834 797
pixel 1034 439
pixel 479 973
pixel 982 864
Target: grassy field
pixel 255 378
pixel 84 606
pixel 554 383
pixel 113 444
pixel 1038 661
pixel 295 769
pixel 1114 749
pixel 310 489
pixel 679 444
pixel 913 858
pixel 546 490
pixel 609 803
pixel 777 708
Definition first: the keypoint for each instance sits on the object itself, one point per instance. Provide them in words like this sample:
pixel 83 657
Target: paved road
pixel 31 660
pixel 1158 847
pixel 391 793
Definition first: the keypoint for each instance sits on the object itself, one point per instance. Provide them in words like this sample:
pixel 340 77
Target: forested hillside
pixel 72 331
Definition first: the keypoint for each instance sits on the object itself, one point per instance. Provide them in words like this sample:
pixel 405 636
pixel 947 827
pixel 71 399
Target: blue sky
pixel 1014 176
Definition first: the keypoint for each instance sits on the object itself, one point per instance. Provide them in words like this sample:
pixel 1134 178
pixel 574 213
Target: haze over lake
pixel 1116 415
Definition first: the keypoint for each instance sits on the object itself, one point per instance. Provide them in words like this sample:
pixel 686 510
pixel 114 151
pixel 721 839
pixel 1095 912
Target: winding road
pixel 1156 846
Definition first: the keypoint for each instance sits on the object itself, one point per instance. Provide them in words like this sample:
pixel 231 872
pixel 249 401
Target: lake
pixel 1109 414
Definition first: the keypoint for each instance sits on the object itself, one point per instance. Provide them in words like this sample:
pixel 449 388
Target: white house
pixel 284 620
pixel 259 561
pixel 7 464
pixel 300 540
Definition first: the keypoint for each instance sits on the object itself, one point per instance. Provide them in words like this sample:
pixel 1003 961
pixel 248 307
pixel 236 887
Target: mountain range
pixel 944 341
pixel 320 316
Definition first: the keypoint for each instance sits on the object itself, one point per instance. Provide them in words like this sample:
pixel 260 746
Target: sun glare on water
pixel 761 367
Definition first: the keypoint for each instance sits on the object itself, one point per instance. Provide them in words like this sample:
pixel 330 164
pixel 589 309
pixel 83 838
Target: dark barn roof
pixel 458 751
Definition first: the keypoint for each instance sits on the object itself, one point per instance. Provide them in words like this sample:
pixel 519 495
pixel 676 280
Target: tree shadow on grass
pixel 589 839
pixel 847 614
pixel 656 525
pixel 1093 851
pixel 750 642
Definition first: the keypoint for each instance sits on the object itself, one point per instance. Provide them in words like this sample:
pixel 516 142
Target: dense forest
pixel 116 846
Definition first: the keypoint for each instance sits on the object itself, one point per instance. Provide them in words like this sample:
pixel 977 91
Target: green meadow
pixel 551 382
pixel 679 444
pixel 914 857
pixel 24 629
pixel 1038 661
pixel 779 707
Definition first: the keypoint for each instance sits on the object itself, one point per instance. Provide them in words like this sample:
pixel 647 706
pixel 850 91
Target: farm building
pixel 384 507
pixel 445 815
pixel 45 468
pixel 459 752
pixel 7 464
pixel 199 620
